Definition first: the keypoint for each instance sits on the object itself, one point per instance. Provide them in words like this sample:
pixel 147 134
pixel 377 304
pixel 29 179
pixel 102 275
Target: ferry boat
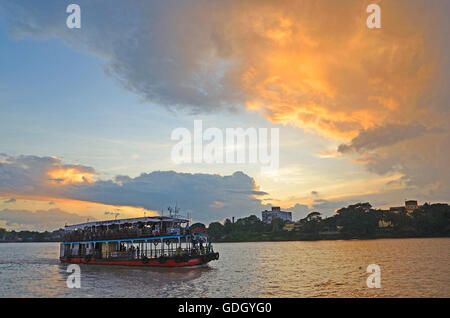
pixel 162 241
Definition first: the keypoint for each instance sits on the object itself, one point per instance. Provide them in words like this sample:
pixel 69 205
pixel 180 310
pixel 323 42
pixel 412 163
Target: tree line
pixel 354 221
pixel 30 236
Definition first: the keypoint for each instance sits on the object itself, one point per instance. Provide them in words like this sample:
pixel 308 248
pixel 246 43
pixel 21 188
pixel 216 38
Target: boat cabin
pixel 126 228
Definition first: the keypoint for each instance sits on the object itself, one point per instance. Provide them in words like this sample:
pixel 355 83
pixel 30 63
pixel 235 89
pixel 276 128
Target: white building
pixel 268 216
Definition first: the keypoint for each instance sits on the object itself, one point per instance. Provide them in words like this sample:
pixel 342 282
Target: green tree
pixel 277 224
pixel 358 219
pixel 228 226
pixel 216 230
pixel 198 226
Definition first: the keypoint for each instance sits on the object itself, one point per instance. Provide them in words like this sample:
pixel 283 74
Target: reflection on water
pixel 409 268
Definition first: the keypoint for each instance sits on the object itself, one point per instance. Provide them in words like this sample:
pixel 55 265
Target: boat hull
pixel 169 262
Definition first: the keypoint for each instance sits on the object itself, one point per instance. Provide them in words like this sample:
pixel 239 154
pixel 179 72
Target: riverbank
pixel 283 239
pixel 304 238
pixel 311 238
pixel 358 221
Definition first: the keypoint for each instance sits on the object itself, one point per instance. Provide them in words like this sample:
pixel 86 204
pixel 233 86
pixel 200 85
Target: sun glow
pixel 70 175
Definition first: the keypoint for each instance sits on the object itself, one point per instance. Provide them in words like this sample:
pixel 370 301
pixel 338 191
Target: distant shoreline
pixel 330 239
pixel 355 222
pixel 334 238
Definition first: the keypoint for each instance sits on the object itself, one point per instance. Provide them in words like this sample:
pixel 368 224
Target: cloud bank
pixel 312 64
pixel 40 220
pixel 206 196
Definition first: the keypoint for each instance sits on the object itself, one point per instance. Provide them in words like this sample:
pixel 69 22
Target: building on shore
pixel 268 216
pixel 397 209
pixel 410 206
pixel 289 226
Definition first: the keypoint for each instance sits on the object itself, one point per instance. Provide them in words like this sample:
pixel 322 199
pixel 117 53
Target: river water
pixel 409 268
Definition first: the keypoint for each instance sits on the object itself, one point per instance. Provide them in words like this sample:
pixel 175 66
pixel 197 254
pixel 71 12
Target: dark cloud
pixel 32 174
pixel 151 47
pixel 421 155
pixel 206 196
pixel 11 200
pixel 374 138
pixel 40 220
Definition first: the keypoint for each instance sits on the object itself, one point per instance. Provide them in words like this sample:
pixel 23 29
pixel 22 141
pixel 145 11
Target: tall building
pixel 268 216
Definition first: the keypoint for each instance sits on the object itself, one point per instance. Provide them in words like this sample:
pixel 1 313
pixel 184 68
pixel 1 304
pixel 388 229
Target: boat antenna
pixel 177 209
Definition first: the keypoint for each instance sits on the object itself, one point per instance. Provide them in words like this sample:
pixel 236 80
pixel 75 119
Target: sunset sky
pixel 86 114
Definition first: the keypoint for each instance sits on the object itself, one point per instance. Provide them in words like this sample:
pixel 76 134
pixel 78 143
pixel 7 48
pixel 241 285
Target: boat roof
pixel 149 219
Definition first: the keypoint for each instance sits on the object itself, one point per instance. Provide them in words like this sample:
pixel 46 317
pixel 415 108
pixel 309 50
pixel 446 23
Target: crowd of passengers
pixel 124 232
pixel 198 247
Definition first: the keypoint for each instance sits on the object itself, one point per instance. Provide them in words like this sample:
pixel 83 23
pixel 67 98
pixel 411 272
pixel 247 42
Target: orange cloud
pixel 70 175
pixel 311 64
pixel 317 65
